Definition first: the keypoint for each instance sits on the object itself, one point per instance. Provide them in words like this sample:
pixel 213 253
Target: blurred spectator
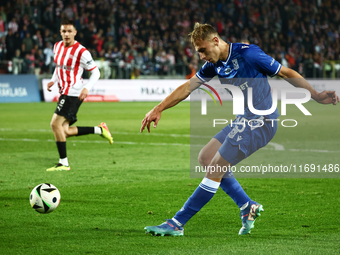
pixel 308 65
pixel 114 57
pixel 110 32
pixel 191 68
pixel 2 48
pixel 23 32
pixel 48 56
pixel 38 40
pixel 28 64
pixel 3 14
pixel 25 21
pixel 291 60
pixel 191 71
pixel 68 11
pixel 10 44
pixel 35 11
pixel 138 65
pixel 97 41
pixel 188 50
pixel 115 54
pixel 57 13
pixel 39 61
pixel 13 25
pixel 2 27
pixel 32 27
pixel 48 16
pixel 146 63
pixel 102 54
pixel 27 44
pixel 99 45
pixel 17 62
pixel 172 61
pixel 129 64
pixel 108 43
pixel 47 37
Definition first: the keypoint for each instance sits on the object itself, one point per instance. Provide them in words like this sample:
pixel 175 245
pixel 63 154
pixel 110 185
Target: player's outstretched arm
pixel 179 94
pixel 294 78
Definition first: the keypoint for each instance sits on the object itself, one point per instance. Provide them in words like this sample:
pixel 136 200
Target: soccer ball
pixel 45 198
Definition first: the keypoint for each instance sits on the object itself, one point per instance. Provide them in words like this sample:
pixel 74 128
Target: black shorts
pixel 68 108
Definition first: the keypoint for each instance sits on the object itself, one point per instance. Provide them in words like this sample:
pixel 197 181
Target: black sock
pixel 61 149
pixel 85 130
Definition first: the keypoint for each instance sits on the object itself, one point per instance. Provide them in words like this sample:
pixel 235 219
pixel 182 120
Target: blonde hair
pixel 202 32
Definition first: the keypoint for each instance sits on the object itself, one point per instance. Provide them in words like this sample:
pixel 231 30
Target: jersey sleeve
pixel 260 60
pixel 87 62
pixel 207 72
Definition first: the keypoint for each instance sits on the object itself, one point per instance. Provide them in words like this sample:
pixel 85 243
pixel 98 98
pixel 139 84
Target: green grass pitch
pixel 113 191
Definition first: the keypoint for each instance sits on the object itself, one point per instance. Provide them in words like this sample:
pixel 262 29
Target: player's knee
pixel 203 158
pixel 54 125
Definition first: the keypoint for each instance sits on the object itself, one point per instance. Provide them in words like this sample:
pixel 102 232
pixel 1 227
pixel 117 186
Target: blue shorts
pixel 241 140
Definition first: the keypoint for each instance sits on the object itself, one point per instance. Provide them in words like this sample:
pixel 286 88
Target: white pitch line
pixel 155 144
pixel 311 150
pixel 277 147
pixel 117 133
pixel 302 150
pixel 83 141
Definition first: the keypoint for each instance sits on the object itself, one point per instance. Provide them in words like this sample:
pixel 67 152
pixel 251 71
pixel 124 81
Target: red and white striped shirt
pixel 70 64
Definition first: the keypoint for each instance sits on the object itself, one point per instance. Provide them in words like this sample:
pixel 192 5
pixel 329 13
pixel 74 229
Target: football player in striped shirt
pixel 71 58
pixel 233 63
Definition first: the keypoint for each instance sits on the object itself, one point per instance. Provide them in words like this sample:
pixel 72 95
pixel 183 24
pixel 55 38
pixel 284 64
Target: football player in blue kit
pixel 237 64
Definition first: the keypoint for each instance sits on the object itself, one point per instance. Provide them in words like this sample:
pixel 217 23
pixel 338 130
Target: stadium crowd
pixel 150 36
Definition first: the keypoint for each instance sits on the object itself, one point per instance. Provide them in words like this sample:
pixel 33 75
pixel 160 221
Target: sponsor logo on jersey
pixel 235 63
pixel 244 47
pixel 67 68
pixel 228 71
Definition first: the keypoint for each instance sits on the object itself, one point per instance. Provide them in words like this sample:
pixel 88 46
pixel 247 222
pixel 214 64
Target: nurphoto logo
pixel 239 103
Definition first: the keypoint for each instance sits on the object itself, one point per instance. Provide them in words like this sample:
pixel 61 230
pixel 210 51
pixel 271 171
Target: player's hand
pixel 83 94
pixel 327 97
pixel 49 85
pixel 152 116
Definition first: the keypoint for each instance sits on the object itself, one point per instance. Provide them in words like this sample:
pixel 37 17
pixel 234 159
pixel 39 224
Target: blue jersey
pixel 246 66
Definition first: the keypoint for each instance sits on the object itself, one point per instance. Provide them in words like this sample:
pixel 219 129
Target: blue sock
pixel 202 195
pixel 231 186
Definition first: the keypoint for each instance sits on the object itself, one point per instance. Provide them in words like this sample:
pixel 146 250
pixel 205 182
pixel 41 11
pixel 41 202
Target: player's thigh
pixel 208 151
pixel 218 167
pixel 58 120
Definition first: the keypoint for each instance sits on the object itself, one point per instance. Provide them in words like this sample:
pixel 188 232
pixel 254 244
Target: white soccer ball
pixel 45 198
